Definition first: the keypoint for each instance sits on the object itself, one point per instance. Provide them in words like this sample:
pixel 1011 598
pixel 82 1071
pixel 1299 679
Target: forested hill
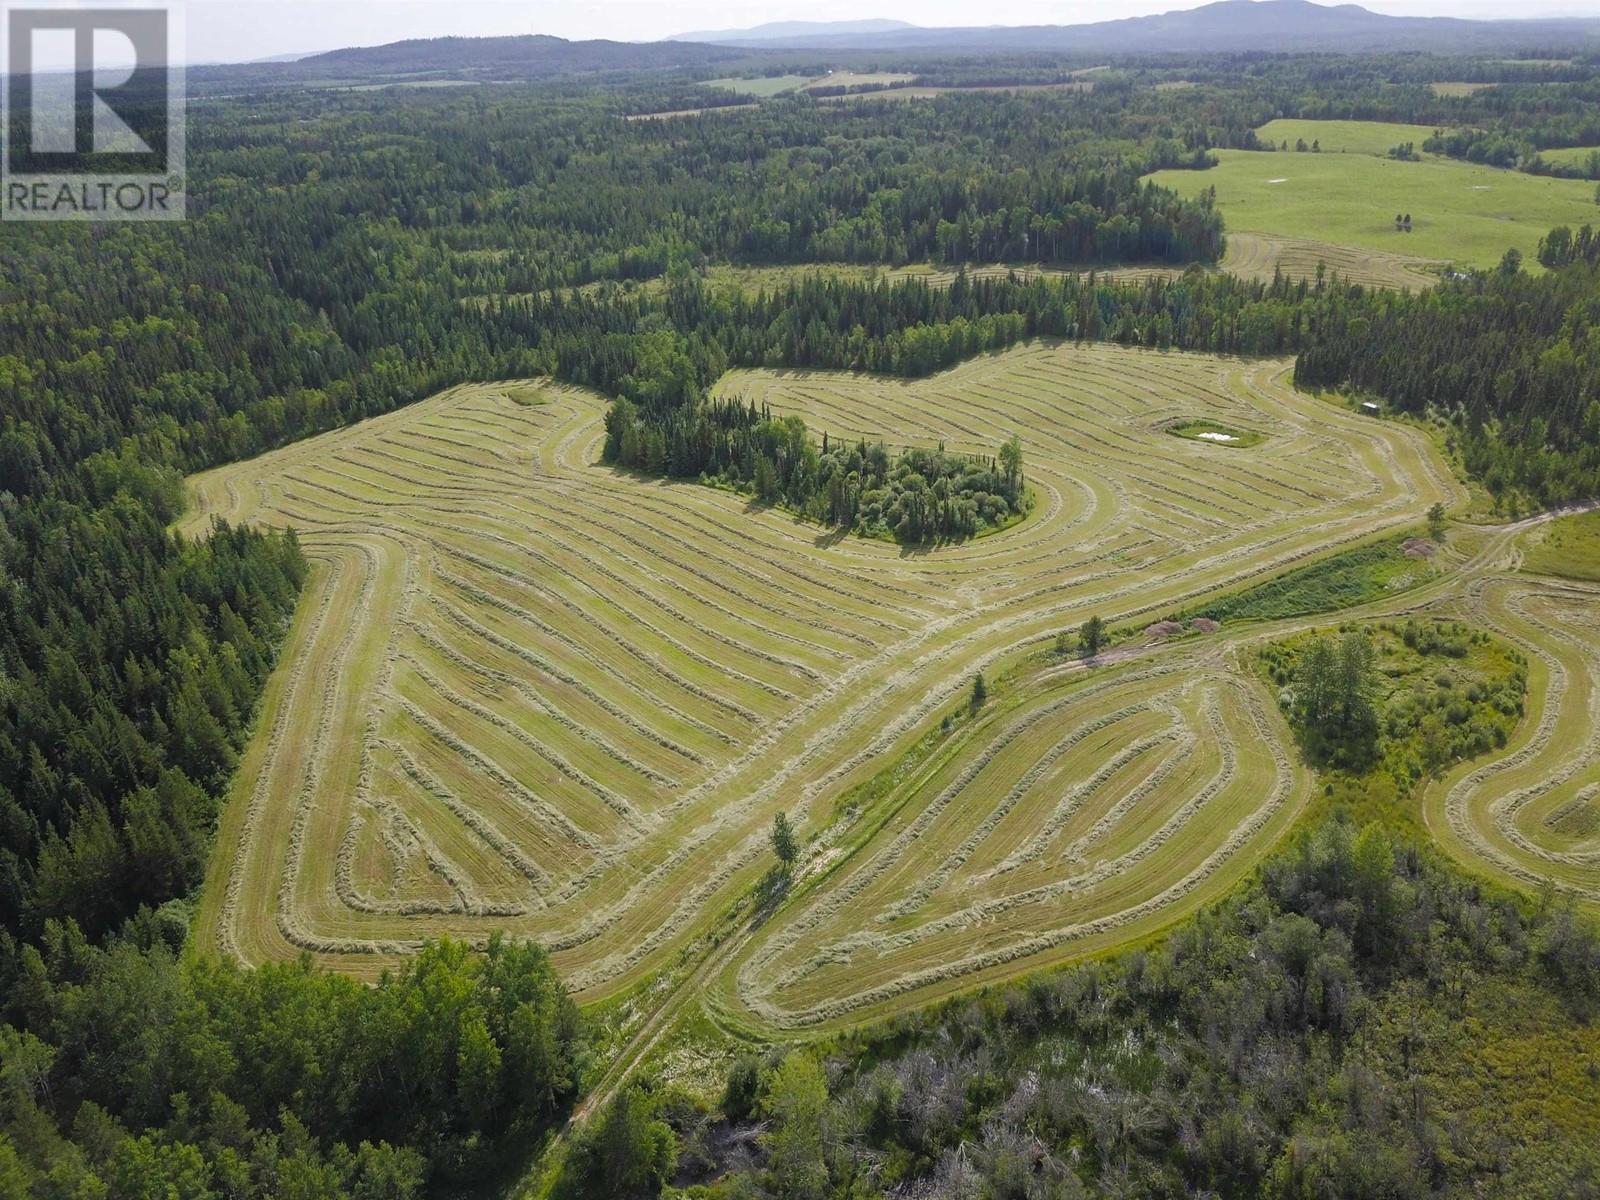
pixel 531 56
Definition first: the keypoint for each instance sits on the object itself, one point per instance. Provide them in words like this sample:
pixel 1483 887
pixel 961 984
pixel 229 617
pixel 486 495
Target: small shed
pixel 1370 408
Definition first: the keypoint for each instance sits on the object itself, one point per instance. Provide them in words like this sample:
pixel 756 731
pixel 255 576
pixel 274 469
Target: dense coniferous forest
pixel 349 252
pixel 134 1071
pixel 1510 356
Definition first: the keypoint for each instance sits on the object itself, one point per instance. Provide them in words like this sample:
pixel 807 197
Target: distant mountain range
pixel 790 31
pixel 1225 26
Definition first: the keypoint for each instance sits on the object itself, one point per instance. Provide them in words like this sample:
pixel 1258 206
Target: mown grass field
pixel 1462 213
pixel 1458 88
pixel 1344 137
pixel 1568 547
pixel 763 85
pixel 526 692
pixel 1260 256
pixel 1575 156
pixel 1531 815
pixel 1250 255
pixel 848 79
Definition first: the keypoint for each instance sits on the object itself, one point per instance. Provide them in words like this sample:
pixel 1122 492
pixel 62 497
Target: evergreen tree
pixel 1092 636
pixel 784 843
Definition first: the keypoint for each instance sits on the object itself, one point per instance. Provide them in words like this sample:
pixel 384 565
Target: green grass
pixel 1345 137
pixel 1460 212
pixel 527 396
pixel 1339 581
pixel 765 85
pixel 1570 156
pixel 1196 431
pixel 1567 546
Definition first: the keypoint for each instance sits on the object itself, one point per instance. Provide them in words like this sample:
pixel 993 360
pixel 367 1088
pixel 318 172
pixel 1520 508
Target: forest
pixel 350 252
pixel 1508 355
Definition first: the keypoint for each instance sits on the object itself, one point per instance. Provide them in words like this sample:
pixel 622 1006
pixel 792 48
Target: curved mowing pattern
pixel 1533 814
pixel 525 692
pixel 1062 823
pixel 1260 255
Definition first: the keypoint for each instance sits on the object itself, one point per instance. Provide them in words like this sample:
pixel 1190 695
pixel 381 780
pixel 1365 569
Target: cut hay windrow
pixel 528 696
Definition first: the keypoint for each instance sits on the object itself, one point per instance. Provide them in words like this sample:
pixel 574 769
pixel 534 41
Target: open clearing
pixel 712 110
pixel 1344 137
pixel 1260 255
pixel 1250 255
pixel 1568 547
pixel 766 85
pixel 1571 156
pixel 1461 212
pixel 849 79
pixel 526 692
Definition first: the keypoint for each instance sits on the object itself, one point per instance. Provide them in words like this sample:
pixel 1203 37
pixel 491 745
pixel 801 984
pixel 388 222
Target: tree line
pixel 1504 354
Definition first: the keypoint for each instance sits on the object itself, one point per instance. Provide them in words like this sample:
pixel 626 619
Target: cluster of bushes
pixel 1390 704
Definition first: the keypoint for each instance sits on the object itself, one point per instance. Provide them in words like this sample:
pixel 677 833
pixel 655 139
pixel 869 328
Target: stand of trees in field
pixel 918 495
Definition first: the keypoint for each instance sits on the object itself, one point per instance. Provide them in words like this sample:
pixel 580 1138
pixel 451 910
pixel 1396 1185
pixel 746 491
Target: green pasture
pixel 764 85
pixel 1345 137
pixel 1460 212
pixel 1568 546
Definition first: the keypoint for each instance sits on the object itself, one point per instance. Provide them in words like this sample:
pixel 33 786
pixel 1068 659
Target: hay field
pixel 1571 156
pixel 1461 212
pixel 1530 816
pixel 848 79
pixel 526 692
pixel 1259 255
pixel 760 85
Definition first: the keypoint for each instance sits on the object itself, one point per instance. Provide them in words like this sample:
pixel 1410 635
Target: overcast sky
pixel 246 30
